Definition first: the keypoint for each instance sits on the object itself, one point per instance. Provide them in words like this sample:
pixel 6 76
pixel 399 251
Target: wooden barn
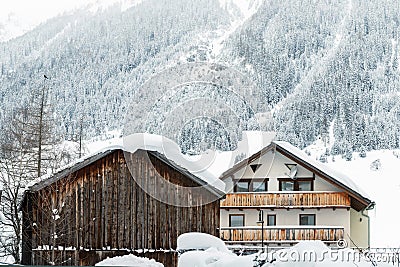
pixel 96 209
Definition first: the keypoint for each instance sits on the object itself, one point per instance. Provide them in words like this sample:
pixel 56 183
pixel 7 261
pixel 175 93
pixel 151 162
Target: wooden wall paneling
pixel 144 176
pixel 115 187
pixel 102 207
pixel 121 203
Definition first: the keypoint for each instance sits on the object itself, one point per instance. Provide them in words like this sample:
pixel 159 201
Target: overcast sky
pixel 18 16
pixel 36 10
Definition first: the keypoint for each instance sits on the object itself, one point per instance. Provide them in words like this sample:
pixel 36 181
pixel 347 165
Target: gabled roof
pixel 71 168
pixel 359 199
pixel 161 147
pixel 154 145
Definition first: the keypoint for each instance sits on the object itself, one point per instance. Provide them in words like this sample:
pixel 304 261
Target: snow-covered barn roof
pixel 359 198
pixel 160 147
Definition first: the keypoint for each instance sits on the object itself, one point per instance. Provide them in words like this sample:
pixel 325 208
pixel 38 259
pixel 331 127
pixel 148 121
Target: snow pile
pixel 208 166
pixel 129 260
pixel 213 258
pixel 215 252
pixel 197 165
pixel 198 241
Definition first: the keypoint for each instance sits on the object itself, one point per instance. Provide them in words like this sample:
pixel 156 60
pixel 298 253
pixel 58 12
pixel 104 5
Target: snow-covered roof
pixel 162 147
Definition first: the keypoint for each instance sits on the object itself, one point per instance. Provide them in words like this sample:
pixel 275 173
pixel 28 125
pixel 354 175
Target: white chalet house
pixel 300 198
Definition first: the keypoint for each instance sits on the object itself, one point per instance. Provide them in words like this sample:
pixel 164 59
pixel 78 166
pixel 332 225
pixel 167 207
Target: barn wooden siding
pixel 99 210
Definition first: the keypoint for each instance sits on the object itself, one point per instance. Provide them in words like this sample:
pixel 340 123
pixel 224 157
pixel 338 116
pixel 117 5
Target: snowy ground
pixel 203 250
pixel 305 253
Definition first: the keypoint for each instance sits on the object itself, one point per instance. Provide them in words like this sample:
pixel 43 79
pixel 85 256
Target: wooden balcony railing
pixel 281 234
pixel 282 199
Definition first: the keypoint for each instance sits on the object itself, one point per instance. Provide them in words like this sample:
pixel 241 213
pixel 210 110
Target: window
pixel 303 184
pixel 242 186
pixel 286 185
pixel 251 185
pixel 259 186
pixel 236 220
pixel 271 220
pixel 307 219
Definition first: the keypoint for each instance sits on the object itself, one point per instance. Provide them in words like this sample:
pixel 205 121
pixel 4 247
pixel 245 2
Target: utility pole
pixel 80 136
pixel 43 94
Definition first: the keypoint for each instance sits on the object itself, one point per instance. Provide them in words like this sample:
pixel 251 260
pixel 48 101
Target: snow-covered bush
pixel 323 158
pixel 376 165
pixel 363 153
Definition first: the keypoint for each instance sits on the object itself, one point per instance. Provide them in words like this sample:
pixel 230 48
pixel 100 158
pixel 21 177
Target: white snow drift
pixel 129 260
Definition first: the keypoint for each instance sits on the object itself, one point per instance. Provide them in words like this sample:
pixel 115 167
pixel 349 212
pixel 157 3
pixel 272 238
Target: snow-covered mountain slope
pixel 313 72
pixel 240 12
pixel 313 63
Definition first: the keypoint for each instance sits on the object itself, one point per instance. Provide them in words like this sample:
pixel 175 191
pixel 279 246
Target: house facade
pixel 99 207
pixel 296 197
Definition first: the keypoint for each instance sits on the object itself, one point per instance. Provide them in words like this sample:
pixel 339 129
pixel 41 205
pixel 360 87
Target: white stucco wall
pixel 359 229
pixel 323 217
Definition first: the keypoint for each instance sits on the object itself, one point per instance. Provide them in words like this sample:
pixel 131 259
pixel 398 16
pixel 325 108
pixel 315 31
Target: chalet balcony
pixel 281 234
pixel 283 199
